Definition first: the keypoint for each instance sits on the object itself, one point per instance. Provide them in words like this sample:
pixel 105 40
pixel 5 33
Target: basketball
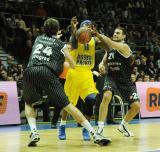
pixel 83 35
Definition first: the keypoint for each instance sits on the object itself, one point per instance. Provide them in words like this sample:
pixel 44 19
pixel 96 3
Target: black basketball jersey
pixel 48 52
pixel 119 67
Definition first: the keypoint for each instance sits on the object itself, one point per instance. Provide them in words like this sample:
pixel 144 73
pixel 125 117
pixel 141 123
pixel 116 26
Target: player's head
pixel 86 23
pixel 119 34
pixel 51 27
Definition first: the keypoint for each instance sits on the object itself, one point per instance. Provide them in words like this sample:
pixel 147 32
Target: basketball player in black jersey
pixel 41 75
pixel 118 79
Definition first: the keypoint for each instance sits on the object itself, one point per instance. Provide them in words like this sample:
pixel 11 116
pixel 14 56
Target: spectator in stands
pixel 20 41
pixel 41 11
pixel 35 32
pixel 10 78
pixel 83 11
pixel 146 78
pixel 152 71
pixel 11 21
pixel 20 69
pixel 139 79
pixel 141 73
pixel 152 79
pixel 137 63
pixel 151 60
pixel 10 62
pixel 13 69
pixel 158 65
pixel 135 71
pixel 21 22
pixel 143 65
pixel 158 79
pixel 133 77
pixel 3 75
pixel 3 33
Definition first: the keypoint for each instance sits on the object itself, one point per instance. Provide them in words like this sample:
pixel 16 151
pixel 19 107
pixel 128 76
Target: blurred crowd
pixel 21 22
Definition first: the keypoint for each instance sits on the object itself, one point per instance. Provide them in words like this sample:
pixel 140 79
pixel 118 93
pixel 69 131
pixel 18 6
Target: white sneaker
pixel 125 131
pixel 99 131
pixel 101 140
pixel 34 138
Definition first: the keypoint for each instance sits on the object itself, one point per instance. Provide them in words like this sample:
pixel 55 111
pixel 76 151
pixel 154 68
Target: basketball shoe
pixel 125 131
pixel 34 138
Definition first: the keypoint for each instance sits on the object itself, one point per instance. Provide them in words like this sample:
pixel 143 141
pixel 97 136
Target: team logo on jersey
pixel 153 99
pixel 84 59
pixel 3 102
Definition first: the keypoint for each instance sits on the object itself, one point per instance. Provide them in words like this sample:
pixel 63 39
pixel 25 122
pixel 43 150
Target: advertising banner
pixel 9 106
pixel 149 93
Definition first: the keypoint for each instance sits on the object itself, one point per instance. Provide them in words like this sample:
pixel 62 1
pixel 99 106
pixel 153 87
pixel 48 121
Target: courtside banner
pixel 9 106
pixel 149 93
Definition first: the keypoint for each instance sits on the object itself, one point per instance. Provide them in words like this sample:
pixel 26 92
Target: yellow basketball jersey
pixel 84 55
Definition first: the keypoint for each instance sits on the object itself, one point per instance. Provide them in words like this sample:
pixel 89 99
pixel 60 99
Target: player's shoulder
pixel 60 42
pixel 125 43
pixel 43 38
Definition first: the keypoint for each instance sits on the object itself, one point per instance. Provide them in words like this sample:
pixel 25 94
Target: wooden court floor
pixel 147 139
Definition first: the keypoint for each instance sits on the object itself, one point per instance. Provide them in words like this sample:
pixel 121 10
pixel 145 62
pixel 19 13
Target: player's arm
pixel 73 39
pixel 102 67
pixel 74 24
pixel 68 57
pixel 124 49
pixel 104 60
pixel 100 44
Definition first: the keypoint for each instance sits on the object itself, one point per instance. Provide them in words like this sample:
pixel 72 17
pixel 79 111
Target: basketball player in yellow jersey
pixel 79 81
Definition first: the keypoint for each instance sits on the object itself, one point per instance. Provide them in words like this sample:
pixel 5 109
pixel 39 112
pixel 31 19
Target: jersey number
pixel 135 96
pixel 47 50
pixel 111 56
pixel 86 46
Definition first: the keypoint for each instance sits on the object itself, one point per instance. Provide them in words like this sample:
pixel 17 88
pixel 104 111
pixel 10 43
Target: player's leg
pixel 79 117
pixel 90 100
pixel 64 114
pixel 103 110
pixel 133 111
pixel 88 93
pixel 55 91
pixel 109 87
pixel 62 126
pixel 31 117
pixel 130 95
pixel 72 91
pixel 30 94
pixel 55 117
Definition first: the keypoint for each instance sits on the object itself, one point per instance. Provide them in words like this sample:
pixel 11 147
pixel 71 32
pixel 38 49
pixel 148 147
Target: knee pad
pixel 89 103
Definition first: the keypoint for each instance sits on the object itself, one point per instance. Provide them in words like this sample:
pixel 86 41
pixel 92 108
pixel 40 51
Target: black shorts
pixel 125 89
pixel 38 81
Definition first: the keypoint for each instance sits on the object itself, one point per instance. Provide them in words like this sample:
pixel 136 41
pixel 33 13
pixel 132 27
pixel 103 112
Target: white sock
pixel 63 122
pixel 100 127
pixel 32 124
pixel 124 122
pixel 88 126
pixel 100 124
